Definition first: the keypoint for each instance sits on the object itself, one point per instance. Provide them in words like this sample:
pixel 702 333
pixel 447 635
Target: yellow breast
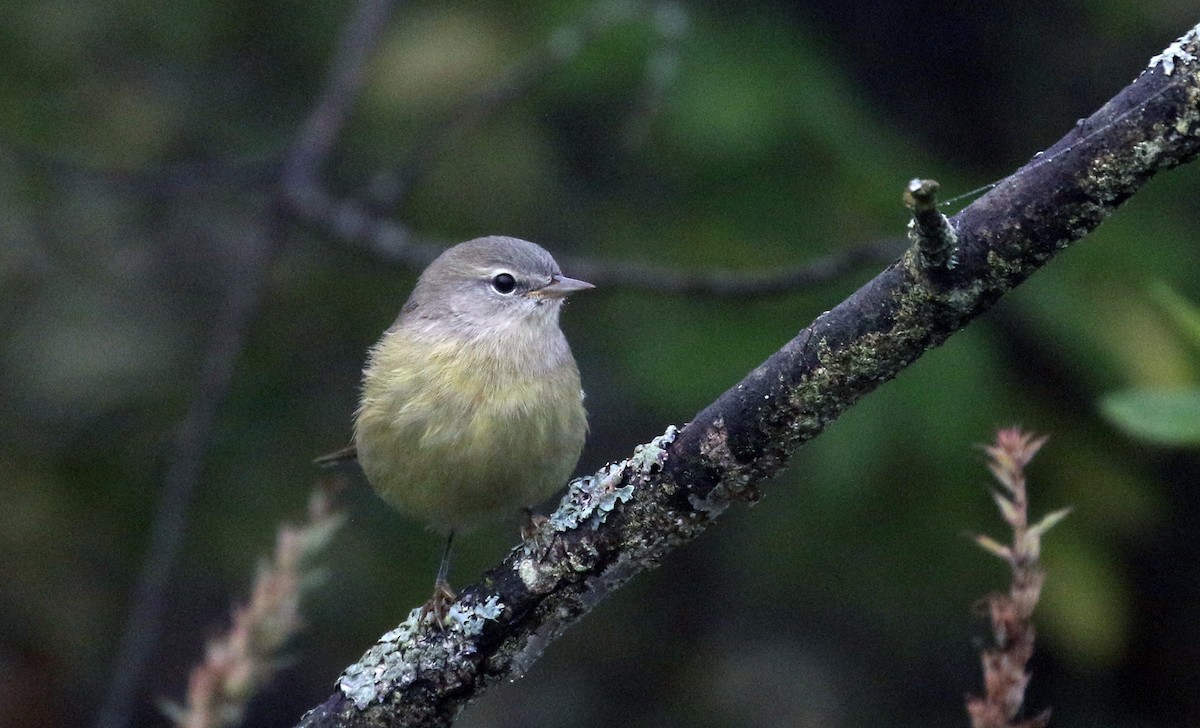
pixel 459 432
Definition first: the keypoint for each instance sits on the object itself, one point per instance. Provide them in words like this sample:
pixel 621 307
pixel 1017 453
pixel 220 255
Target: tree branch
pixel 628 516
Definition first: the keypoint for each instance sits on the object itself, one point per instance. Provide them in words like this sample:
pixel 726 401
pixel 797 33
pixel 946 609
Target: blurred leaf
pixel 1183 314
pixel 1169 418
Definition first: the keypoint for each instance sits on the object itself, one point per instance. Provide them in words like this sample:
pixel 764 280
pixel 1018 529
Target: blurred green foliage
pixel 1169 417
pixel 137 148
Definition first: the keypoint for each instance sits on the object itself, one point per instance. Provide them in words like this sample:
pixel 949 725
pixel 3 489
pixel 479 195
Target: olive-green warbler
pixel 471 404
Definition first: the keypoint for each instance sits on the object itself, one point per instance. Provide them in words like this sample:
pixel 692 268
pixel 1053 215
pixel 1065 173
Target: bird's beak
pixel 561 286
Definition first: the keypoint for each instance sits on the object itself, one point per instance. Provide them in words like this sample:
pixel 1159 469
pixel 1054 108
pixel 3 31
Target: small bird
pixel 471 403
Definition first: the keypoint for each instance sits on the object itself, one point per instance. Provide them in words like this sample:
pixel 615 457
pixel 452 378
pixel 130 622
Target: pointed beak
pixel 561 286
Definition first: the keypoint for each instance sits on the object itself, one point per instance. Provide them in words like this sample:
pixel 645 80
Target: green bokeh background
pixel 736 135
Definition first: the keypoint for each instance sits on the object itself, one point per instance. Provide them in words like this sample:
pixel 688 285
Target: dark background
pixel 138 144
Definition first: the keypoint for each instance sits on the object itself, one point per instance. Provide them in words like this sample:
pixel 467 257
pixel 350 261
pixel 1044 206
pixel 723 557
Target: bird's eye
pixel 504 283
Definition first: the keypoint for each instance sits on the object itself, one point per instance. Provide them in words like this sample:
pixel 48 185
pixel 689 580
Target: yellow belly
pixel 453 437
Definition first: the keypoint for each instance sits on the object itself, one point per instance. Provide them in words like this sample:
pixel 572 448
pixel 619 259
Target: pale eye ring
pixel 504 283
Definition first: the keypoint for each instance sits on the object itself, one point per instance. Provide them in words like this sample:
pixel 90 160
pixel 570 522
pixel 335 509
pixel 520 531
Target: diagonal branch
pixel 630 515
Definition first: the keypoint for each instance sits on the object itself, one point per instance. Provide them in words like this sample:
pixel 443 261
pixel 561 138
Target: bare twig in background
pixel 192 441
pixel 237 663
pixel 630 515
pixel 250 170
pixel 349 221
pixel 1004 674
pixel 318 135
pixel 735 283
pixel 365 225
pixel 312 146
pixel 302 194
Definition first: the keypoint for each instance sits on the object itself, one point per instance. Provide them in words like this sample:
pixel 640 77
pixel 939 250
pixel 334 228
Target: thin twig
pixel 249 170
pixel 192 441
pixel 929 230
pixel 734 284
pixel 313 145
pixel 351 222
pixel 347 73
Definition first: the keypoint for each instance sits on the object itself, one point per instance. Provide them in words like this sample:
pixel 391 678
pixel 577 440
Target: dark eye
pixel 504 283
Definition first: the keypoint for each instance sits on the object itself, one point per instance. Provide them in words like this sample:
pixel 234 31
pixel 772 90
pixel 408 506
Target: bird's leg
pixel 443 596
pixel 531 535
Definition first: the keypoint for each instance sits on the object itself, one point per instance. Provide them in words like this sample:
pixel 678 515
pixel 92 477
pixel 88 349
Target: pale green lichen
pixel 383 667
pixel 1176 53
pixel 646 458
pixel 469 619
pixel 1002 268
pixel 536 578
pixel 589 499
pixel 395 660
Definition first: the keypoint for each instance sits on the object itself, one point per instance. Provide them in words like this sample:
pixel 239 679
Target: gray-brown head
pixel 489 282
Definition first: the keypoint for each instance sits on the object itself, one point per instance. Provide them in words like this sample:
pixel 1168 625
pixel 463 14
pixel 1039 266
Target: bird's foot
pixel 533 541
pixel 533 522
pixel 439 604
